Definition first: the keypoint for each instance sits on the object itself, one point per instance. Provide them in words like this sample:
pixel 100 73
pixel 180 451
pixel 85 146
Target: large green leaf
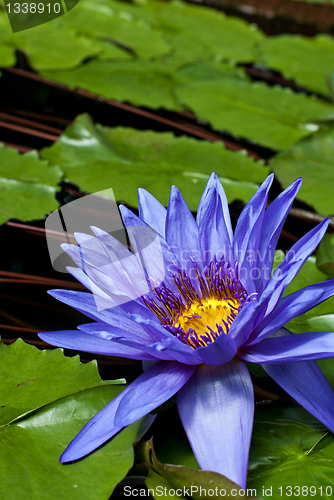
pixel 206 70
pixel 96 157
pixel 101 21
pixel 290 449
pixel 30 445
pixel 7 42
pixel 310 61
pixel 59 48
pixel 49 45
pixel 143 83
pixel 311 159
pixel 195 32
pixel 43 377
pixel 199 32
pixel 27 186
pixel 140 82
pixel 271 116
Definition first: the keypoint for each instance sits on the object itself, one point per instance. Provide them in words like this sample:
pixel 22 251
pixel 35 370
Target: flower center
pixel 207 314
pixel 199 309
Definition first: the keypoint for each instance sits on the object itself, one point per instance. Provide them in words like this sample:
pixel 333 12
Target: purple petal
pixel 157 350
pixel 118 253
pixel 213 219
pixel 245 322
pixel 114 249
pixel 126 328
pixel 306 383
pixel 145 242
pixel 157 257
pixel 102 427
pixel 179 351
pixel 182 231
pixel 85 342
pixel 118 324
pixel 216 407
pixel 247 235
pixel 219 352
pixel 300 347
pixel 293 261
pixel 291 306
pixel 85 303
pixel 162 345
pixel 152 212
pixel 273 221
pixel 79 275
pixel 150 394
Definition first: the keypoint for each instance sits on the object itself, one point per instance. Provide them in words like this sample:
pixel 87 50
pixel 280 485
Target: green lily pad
pixel 7 50
pixel 7 41
pixel 99 20
pixel 27 186
pixel 207 70
pixel 59 48
pixel 290 451
pixel 311 159
pixel 143 83
pixel 197 32
pixel 30 445
pixel 140 82
pixel 150 160
pixel 271 116
pixel 43 377
pixel 310 61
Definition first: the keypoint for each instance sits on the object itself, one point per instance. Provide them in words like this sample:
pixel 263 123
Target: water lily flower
pixel 210 305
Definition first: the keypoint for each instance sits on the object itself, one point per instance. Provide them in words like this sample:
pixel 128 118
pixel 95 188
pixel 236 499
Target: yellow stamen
pixel 205 315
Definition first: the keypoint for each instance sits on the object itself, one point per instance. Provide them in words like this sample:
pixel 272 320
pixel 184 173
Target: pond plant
pixel 211 305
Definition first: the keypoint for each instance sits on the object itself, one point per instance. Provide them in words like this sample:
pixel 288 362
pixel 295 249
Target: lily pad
pixel 30 445
pixel 7 41
pixel 43 377
pixel 271 116
pixel 99 20
pixel 143 83
pixel 196 29
pixel 27 186
pixel 59 48
pixel 290 451
pixel 140 82
pixel 96 157
pixel 310 62
pixel 311 159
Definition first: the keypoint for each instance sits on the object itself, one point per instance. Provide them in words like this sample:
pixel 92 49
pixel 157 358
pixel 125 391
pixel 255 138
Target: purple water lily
pixel 202 310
